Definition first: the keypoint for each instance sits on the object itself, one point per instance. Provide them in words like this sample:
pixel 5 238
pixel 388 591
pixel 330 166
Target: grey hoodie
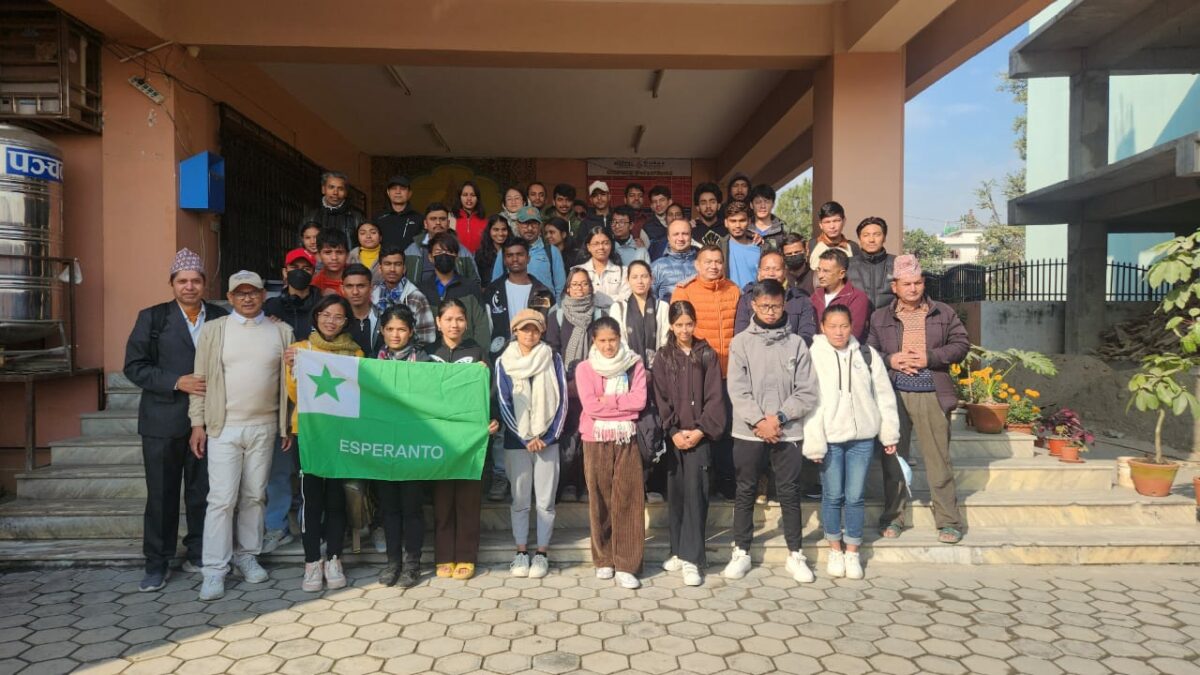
pixel 770 371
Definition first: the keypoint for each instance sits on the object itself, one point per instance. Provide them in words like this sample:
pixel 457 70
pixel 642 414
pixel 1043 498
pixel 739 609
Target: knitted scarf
pixel 407 353
pixel 615 372
pixel 578 313
pixel 535 395
pixel 342 344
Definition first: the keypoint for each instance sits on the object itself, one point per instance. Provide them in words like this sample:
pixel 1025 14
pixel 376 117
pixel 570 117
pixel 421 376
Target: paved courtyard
pixel 901 619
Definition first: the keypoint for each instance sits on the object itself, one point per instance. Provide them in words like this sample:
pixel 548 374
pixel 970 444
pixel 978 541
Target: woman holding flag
pixel 323 510
pixel 401 500
pixel 456 503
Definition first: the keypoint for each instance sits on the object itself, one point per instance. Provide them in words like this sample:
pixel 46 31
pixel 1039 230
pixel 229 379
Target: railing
pixel 1036 280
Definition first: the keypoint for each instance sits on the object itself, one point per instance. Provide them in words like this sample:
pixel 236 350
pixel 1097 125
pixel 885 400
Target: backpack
pixel 158 322
pixel 865 350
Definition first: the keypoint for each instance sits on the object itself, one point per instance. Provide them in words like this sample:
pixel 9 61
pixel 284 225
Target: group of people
pixel 632 352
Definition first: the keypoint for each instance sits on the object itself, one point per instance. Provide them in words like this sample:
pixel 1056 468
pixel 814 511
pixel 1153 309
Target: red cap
pixel 297 253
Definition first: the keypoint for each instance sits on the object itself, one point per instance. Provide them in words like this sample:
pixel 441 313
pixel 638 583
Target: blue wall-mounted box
pixel 202 183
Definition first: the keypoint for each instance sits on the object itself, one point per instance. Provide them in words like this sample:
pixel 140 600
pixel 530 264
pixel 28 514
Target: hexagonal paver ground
pixel 900 620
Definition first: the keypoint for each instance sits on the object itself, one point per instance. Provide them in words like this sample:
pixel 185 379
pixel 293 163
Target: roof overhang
pixel 1153 189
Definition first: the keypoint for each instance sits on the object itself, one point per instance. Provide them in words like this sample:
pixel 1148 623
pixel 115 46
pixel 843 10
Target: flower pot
pixel 1039 441
pixel 1070 453
pixel 958 419
pixel 1150 479
pixel 988 418
pixel 1123 478
pixel 1019 428
pixel 1056 445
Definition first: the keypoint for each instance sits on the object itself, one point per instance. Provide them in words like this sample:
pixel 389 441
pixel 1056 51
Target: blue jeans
pixel 279 487
pixel 843 482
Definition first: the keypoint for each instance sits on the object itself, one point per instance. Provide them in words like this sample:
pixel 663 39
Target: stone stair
pixel 1021 507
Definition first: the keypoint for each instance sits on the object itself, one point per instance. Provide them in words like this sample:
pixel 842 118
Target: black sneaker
pixel 389 574
pixel 154 581
pixel 410 575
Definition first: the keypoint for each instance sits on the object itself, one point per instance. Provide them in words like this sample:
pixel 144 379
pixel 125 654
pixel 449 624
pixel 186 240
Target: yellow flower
pixel 1003 394
pixel 1032 393
pixel 955 369
pixel 965 382
pixel 1037 409
pixel 997 377
pixel 1016 398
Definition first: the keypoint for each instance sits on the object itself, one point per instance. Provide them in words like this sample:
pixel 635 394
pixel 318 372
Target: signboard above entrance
pixel 640 168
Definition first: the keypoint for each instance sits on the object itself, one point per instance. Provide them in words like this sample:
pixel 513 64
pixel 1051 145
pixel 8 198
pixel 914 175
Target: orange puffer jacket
pixel 716 307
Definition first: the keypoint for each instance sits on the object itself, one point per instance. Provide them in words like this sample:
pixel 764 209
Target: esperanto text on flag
pixel 391 420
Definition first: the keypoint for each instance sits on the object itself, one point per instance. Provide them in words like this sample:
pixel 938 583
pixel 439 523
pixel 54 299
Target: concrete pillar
pixel 1087 123
pixel 858 138
pixel 1087 259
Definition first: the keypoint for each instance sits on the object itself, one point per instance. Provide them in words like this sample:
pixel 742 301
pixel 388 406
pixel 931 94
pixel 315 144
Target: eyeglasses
pixel 585 285
pixel 332 318
pixel 245 295
pixel 768 309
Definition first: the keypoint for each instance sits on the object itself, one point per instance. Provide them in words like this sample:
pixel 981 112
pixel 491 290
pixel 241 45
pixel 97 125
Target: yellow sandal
pixel 445 570
pixel 464 571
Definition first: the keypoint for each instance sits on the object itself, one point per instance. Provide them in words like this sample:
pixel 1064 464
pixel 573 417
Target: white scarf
pixel 535 394
pixel 616 381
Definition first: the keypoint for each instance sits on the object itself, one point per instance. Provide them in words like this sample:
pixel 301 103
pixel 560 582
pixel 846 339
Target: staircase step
pixel 125 398
pixel 1012 474
pixel 73 519
pixel 1173 544
pixel 83 482
pixel 94 450
pixel 109 422
pixel 967 444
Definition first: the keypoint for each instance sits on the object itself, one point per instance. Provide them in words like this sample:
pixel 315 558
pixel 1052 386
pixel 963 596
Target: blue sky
pixel 958 132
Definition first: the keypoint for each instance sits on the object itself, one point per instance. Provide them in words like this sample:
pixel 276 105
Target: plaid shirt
pixel 383 297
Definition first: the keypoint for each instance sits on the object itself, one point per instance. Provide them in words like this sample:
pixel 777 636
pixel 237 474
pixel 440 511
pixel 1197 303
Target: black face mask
pixel 444 262
pixel 796 262
pixel 299 279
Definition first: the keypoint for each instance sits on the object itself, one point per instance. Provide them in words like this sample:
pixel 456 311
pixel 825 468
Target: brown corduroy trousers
pixel 616 504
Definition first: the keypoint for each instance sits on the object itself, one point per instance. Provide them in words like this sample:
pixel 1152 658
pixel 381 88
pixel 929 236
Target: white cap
pixel 597 185
pixel 245 278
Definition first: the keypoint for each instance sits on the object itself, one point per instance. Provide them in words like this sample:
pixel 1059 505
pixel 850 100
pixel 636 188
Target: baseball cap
pixel 297 253
pixel 597 185
pixel 245 278
pixel 528 213
pixel 527 316
pixel 399 179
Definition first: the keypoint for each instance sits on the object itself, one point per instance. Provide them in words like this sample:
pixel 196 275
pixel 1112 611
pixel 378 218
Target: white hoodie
pixel 856 402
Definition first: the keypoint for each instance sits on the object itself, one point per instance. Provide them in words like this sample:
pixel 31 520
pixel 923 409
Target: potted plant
pixel 1023 412
pixel 1156 387
pixel 1065 434
pixel 987 393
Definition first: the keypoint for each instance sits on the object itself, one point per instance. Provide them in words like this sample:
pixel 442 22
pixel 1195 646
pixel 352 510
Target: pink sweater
pixel 600 406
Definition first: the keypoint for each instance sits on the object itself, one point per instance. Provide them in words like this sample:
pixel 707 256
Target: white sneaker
pixel 520 565
pixel 604 572
pixel 627 580
pixel 539 566
pixel 314 578
pixel 672 564
pixel 691 575
pixel 334 576
pixel 273 539
pixel 248 568
pixel 654 498
pixel 379 539
pixel 212 588
pixel 836 565
pixel 854 568
pixel 739 564
pixel 190 567
pixel 797 566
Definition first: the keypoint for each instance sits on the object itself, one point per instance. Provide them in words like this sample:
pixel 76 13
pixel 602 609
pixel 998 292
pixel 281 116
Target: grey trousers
pixel 920 413
pixel 536 474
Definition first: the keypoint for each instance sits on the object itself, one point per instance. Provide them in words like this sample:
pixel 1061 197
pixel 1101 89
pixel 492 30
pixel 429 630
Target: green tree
pixel 1001 245
pixel 931 251
pixel 794 206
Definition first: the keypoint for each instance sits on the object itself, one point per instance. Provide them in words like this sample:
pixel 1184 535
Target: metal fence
pixel 1035 280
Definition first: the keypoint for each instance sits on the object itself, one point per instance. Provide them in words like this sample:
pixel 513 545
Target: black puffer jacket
pixel 344 217
pixel 872 274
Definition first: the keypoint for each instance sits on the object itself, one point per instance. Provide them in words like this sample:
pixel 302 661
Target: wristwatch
pixel 783 419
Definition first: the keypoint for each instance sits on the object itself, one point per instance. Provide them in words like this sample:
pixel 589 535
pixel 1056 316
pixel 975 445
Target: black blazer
pixel 163 411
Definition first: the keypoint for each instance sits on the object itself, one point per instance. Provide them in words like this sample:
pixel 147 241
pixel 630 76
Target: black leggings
pixel 323 516
pixel 403 525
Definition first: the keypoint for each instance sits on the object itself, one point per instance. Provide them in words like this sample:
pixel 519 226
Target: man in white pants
pixel 244 410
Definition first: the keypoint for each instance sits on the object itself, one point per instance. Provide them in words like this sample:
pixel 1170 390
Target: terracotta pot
pixel 1150 479
pixel 1039 442
pixel 1070 453
pixel 988 418
pixel 1019 428
pixel 1056 445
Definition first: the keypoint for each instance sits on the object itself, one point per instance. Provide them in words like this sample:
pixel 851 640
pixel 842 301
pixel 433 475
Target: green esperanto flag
pixel 391 420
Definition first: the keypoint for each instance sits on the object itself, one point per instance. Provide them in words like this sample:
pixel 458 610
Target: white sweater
pixel 855 402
